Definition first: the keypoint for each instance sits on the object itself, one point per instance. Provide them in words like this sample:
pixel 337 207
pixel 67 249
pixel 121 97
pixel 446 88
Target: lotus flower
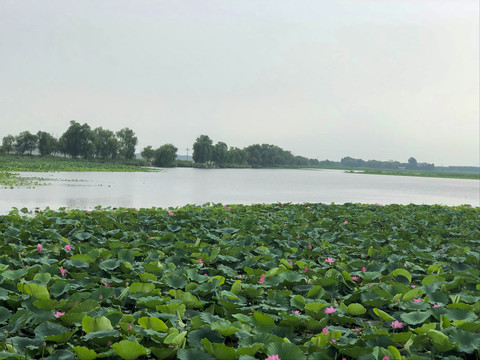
pixel 397 324
pixel 330 310
pixel 273 357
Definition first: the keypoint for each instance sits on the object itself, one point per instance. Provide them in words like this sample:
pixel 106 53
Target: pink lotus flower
pixel 334 341
pixel 404 264
pixel 262 279
pixel 89 212
pixel 397 324
pixel 239 276
pixel 58 314
pixel 39 247
pixel 107 285
pixel 345 222
pixel 436 305
pixel 330 310
pixel 149 238
pixel 291 263
pixel 297 312
pixel 298 236
pixel 355 278
pixel 442 251
pixel 364 269
pixel 417 300
pixel 329 260
pixel 385 358
pixel 63 271
pixel 68 247
pixel 273 357
pixel 170 213
pixel 324 331
pixel 200 261
pixel 309 246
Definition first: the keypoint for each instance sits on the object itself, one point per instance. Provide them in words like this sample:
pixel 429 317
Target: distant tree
pixel 46 143
pixel 148 153
pixel 237 156
pixel 202 149
pixel 165 156
pixel 106 144
pixel 412 163
pixel 351 162
pixel 7 143
pixel 220 153
pixel 26 142
pixel 127 141
pixel 254 155
pixel 78 140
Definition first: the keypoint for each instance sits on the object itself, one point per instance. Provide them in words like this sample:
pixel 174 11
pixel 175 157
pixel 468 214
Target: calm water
pixel 180 186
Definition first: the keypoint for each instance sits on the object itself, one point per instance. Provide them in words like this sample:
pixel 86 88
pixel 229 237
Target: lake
pixel 181 186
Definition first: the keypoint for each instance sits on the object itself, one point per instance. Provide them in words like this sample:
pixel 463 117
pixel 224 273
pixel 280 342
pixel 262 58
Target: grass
pixel 419 173
pixel 53 164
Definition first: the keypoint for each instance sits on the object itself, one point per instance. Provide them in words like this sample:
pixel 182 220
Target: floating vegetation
pixel 10 180
pixel 276 281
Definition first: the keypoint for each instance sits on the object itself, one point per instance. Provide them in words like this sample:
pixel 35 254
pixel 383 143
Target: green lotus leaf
pixel 403 273
pixel 109 265
pixel 175 338
pixel 5 314
pixel 356 309
pixel 84 353
pixel 92 325
pixel 152 323
pixel 286 351
pixel 440 341
pixel 42 278
pixel 141 287
pixel 129 350
pixel 415 317
pixel 37 291
pixel 194 354
pixel 13 274
pixel 224 327
pixel 383 315
pixel 220 350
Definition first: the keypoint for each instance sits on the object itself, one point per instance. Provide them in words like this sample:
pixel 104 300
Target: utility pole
pixel 187 152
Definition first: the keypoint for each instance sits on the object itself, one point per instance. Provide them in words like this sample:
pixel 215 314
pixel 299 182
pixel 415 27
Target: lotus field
pixel 277 281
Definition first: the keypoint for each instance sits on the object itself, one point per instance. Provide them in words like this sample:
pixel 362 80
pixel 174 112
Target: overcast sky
pixel 371 79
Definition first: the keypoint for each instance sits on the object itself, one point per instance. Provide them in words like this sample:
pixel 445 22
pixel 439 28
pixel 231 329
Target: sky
pixel 325 79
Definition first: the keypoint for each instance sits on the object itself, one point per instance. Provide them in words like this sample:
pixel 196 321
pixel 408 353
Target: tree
pixel 165 156
pixel 202 149
pixel 127 141
pixel 236 156
pixel 106 144
pixel 78 140
pixel 412 163
pixel 220 153
pixel 26 142
pixel 46 143
pixel 148 153
pixel 7 143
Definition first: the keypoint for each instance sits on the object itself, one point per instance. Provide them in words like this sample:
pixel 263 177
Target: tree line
pixel 256 156
pixel 80 140
pixel 77 141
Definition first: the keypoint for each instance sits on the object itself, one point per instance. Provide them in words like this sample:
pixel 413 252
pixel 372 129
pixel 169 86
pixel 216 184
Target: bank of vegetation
pixel 102 147
pixel 303 282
